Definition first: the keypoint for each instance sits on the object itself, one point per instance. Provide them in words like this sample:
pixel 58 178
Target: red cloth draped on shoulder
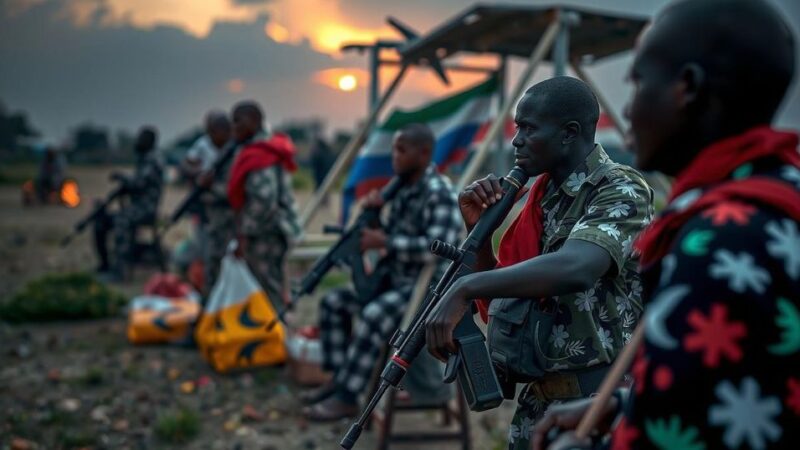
pixel 522 240
pixel 713 165
pixel 279 149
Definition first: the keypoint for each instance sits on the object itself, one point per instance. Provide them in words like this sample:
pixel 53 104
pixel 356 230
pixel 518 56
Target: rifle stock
pixel 472 364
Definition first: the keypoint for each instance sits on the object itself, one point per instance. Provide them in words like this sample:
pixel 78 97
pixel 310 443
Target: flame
pixel 70 196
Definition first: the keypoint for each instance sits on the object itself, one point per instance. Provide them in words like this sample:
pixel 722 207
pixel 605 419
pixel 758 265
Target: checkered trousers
pixel 352 351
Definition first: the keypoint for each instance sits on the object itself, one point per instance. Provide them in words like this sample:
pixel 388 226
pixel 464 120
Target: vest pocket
pixel 515 327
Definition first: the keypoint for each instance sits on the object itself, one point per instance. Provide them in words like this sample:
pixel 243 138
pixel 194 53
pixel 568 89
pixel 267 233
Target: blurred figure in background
pixel 143 192
pixel 50 175
pixel 322 159
pixel 260 193
pixel 202 154
pixel 200 158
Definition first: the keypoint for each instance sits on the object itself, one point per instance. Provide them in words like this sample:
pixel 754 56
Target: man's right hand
pixel 477 197
pixel 373 200
pixel 205 179
pixel 567 416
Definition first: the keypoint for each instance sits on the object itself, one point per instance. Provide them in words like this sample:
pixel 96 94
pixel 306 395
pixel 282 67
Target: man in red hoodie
pixel 260 194
pixel 721 265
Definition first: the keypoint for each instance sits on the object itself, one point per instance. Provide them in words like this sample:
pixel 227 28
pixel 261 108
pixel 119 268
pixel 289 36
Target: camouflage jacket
pixel 144 189
pixel 269 207
pixel 606 204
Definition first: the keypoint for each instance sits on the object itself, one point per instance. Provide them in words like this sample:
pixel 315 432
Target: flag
pixel 457 121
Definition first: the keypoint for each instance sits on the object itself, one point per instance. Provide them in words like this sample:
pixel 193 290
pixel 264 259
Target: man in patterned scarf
pixel 567 255
pixel 718 368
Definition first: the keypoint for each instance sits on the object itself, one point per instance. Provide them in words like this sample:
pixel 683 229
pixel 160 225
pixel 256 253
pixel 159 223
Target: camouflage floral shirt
pixel 607 204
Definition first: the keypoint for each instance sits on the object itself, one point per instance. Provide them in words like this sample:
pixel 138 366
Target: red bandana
pixel 714 165
pixel 256 156
pixel 521 241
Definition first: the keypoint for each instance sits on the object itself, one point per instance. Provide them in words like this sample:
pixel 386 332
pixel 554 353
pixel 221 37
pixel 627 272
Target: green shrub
pixel 62 297
pixel 178 426
pixel 334 279
pixel 16 174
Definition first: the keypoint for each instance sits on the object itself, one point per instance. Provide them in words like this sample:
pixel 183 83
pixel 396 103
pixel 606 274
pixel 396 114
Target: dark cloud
pixel 123 76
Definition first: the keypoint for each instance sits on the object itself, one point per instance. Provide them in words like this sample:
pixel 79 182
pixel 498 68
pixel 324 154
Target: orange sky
pixel 289 22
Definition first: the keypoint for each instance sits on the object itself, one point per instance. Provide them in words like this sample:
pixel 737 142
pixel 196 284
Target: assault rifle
pixel 227 154
pixel 347 251
pixel 92 216
pixel 472 365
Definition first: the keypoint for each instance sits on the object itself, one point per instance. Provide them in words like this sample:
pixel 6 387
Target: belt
pixel 568 385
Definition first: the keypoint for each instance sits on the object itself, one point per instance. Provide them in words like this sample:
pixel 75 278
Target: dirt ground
pixel 82 385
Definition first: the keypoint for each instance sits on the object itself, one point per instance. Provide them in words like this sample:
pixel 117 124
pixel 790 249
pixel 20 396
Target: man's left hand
pixel 444 318
pixel 373 238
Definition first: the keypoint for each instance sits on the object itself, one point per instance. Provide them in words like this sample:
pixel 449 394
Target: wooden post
pixel 350 152
pixel 610 383
pixel 615 119
pixel 536 57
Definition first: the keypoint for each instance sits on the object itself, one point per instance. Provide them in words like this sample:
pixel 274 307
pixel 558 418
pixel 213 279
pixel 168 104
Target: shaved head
pixel 562 99
pixel 705 70
pixel 217 119
pixel 248 120
pixel 249 109
pixel 419 134
pixel 218 128
pixel 744 47
pixel 412 150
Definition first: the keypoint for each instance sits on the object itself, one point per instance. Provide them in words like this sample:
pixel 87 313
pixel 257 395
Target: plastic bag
pixel 159 319
pixel 232 332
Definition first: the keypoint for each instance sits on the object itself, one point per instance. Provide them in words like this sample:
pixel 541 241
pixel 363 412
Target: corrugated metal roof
pixel 514 30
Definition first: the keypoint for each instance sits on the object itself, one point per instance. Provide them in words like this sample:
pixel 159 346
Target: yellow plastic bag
pixel 232 331
pixel 154 319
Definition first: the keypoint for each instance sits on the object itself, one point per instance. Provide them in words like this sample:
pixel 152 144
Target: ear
pixel 570 132
pixel 692 84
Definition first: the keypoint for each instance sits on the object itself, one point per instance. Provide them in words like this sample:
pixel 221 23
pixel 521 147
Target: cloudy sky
pixel 122 63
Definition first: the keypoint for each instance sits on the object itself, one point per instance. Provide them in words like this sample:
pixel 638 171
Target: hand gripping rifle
pixel 228 153
pixel 472 364
pixel 347 251
pixel 92 216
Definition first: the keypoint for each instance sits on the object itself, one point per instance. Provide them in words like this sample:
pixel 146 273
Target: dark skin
pixel 675 112
pixel 410 158
pixel 218 130
pixel 543 145
pixel 246 124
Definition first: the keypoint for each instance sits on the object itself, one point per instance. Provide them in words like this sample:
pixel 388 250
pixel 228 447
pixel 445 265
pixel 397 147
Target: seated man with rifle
pixel 566 292
pixel 423 209
pixel 143 192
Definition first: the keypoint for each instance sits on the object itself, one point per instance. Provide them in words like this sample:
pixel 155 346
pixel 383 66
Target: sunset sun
pixel 347 82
